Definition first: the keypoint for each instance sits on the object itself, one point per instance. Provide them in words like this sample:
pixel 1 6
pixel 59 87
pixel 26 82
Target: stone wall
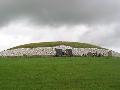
pixel 50 51
pixel 29 51
pixel 85 51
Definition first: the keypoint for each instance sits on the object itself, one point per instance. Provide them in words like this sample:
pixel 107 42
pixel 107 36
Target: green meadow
pixel 60 73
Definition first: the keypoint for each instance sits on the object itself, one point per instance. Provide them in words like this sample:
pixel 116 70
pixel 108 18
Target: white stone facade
pixel 85 51
pixel 50 51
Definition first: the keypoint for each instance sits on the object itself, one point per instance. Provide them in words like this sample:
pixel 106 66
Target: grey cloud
pixel 104 35
pixel 67 12
pixel 61 11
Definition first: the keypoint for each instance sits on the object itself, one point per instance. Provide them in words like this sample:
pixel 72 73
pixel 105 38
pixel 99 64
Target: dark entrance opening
pixel 58 52
pixel 69 52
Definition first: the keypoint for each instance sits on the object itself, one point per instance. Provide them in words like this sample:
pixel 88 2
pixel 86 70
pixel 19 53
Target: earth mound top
pixel 57 43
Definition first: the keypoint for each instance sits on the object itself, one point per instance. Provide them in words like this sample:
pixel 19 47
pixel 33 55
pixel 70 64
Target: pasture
pixel 60 73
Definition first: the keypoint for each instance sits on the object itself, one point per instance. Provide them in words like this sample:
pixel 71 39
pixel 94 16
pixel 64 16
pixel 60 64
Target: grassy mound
pixel 60 73
pixel 52 44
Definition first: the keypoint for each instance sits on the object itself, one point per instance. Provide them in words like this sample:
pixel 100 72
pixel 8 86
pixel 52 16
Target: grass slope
pixel 60 73
pixel 52 44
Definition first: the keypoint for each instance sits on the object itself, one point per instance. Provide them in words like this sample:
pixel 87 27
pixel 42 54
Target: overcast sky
pixel 89 21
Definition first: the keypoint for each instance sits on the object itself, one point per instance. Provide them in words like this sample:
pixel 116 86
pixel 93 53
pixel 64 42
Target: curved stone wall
pixel 50 51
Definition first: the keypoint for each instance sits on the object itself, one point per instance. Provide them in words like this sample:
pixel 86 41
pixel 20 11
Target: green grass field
pixel 60 73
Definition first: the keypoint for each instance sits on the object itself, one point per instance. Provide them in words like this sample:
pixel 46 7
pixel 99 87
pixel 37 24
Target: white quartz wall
pixel 29 52
pixel 50 51
pixel 85 51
